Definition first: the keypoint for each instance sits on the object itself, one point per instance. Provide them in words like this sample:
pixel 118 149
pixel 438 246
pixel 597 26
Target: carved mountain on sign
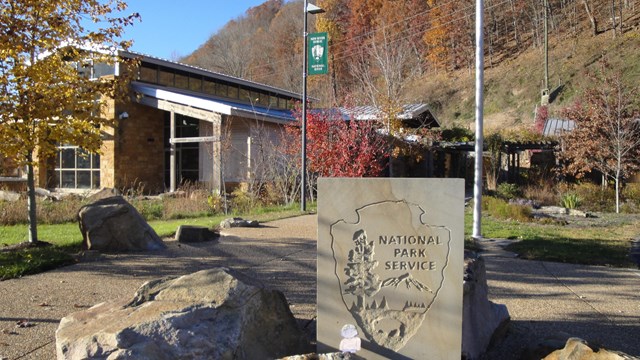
pixel 408 280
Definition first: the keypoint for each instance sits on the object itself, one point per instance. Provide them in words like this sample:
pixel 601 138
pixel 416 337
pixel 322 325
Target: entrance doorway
pixel 187 154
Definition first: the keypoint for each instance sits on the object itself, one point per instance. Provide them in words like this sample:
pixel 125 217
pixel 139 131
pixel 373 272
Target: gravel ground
pixel 548 302
pixel 282 254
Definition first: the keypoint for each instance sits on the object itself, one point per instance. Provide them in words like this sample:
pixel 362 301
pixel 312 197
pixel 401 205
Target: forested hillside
pixel 387 52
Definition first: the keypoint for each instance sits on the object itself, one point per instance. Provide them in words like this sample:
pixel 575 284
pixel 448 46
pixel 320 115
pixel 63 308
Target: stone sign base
pixel 390 262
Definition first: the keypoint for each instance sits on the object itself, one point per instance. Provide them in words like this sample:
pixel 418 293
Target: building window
pixel 222 90
pixel 166 78
pixel 233 92
pixel 195 83
pixel 187 154
pixel 209 87
pixel 76 169
pixel 148 74
pixel 245 95
pixel 181 81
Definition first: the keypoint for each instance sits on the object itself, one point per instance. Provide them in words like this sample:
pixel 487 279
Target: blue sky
pixel 171 29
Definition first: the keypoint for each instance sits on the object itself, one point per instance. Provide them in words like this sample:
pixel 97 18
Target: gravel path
pixel 599 304
pixel 282 254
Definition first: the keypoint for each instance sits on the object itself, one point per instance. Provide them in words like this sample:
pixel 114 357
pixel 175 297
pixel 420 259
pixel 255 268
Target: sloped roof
pixel 216 105
pixel 414 115
pixel 555 127
pixel 200 71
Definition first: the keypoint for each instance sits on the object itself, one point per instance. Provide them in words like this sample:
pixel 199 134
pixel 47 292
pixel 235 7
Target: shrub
pixel 594 198
pixel 570 200
pixel 47 211
pixel 508 191
pixel 543 195
pixel 216 202
pixel 629 208
pixel 631 193
pixel 500 209
pixel 193 203
pixel 242 201
pixel 150 209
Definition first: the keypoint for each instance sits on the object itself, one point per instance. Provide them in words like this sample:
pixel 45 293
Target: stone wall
pixel 133 151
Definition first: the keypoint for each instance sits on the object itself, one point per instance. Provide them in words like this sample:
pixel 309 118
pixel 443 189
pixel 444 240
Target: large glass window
pixel 76 169
pixel 187 154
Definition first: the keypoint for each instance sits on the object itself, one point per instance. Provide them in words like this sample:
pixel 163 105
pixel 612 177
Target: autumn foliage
pixel 45 98
pixel 335 147
pixel 606 137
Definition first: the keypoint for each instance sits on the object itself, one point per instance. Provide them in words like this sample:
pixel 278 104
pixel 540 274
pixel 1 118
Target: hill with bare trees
pixel 387 53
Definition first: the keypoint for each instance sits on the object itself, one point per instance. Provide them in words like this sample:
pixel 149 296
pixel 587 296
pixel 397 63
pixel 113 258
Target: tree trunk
pixel 516 34
pixel 31 200
pixel 592 19
pixel 614 24
pixel 618 192
pixel 620 21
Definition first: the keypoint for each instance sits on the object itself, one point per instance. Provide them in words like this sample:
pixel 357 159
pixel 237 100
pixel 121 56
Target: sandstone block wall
pixel 134 156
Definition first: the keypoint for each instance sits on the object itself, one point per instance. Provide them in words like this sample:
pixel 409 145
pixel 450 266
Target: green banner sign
pixel 317 51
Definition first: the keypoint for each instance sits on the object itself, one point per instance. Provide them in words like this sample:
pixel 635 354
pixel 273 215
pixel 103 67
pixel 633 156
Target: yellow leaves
pixel 45 100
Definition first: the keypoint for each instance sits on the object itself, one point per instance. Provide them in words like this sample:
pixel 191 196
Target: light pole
pixel 308 9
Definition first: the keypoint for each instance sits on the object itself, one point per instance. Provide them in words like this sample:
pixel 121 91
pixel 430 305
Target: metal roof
pixel 419 113
pixel 216 105
pixel 200 71
pixel 555 127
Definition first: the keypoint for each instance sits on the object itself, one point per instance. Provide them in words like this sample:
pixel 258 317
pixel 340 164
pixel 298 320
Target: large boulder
pixel 211 314
pixel 113 225
pixel 482 320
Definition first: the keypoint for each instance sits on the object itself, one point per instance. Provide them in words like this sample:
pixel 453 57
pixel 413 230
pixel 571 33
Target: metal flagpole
pixel 477 189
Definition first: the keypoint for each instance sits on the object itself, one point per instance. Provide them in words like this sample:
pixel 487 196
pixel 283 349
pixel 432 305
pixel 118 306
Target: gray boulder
pixel 194 234
pixel 238 222
pixel 210 314
pixel 9 196
pixel 113 225
pixel 104 193
pixel 482 320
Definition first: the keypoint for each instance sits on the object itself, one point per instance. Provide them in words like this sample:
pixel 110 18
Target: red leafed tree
pixel 541 117
pixel 606 137
pixel 335 147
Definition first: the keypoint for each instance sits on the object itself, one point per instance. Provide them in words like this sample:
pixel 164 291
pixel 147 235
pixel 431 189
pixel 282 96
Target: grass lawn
pixel 604 240
pixel 67 240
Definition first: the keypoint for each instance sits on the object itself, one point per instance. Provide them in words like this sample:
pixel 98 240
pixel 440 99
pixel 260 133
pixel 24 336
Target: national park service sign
pixel 389 280
pixel 389 270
